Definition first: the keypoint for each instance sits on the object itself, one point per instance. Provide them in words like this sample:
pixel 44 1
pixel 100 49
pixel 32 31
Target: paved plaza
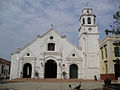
pixel 51 85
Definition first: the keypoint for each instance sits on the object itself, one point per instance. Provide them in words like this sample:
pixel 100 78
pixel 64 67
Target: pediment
pixel 50 37
pixel 74 55
pixel 28 53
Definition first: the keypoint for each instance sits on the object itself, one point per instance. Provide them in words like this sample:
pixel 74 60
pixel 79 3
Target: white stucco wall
pixel 86 56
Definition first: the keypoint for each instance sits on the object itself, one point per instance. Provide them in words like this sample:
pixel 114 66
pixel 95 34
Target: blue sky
pixel 22 20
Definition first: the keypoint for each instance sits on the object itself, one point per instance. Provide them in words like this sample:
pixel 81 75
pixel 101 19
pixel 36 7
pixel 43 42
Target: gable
pixel 28 53
pixel 40 44
pixel 74 55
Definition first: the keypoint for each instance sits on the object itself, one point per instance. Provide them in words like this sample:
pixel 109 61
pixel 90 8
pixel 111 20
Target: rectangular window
pixel 51 46
pixel 106 52
pixel 9 70
pixel 2 71
pixel 117 51
pixel 102 53
pixel 106 68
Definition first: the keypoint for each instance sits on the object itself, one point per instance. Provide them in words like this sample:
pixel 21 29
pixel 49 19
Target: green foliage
pixel 115 27
pixel 64 73
pixel 36 74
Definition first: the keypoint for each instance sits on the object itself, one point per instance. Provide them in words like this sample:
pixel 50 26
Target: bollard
pixel 107 82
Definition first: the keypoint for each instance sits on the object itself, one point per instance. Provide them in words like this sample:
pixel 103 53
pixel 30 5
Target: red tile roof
pixel 3 61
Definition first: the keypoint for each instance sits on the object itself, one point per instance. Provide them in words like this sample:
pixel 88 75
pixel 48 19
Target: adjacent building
pixel 51 54
pixel 4 68
pixel 110 57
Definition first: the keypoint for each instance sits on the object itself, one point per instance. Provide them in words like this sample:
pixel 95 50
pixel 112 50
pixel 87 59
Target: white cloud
pixel 22 20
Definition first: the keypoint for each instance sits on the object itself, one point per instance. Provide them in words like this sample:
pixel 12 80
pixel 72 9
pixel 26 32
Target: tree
pixel 116 24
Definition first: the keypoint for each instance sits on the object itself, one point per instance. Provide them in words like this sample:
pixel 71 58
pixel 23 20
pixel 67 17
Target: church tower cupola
pixel 87 17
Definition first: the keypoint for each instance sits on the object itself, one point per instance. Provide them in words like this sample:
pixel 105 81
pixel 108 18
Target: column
pixel 42 67
pixel 33 69
pixel 21 69
pixel 59 70
pixel 110 61
pixel 80 70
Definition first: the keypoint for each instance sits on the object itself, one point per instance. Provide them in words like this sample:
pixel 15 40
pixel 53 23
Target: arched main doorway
pixel 50 69
pixel 27 70
pixel 73 71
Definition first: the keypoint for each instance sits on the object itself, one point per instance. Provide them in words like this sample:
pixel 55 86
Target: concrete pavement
pixel 89 85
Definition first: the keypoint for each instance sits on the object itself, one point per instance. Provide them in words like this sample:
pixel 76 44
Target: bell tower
pixel 88 42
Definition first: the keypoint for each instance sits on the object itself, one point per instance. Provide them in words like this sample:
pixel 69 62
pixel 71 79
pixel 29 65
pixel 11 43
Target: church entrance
pixel 73 71
pixel 50 69
pixel 27 70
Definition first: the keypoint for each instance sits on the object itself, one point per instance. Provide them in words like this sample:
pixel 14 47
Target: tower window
pixel 51 46
pixel 83 20
pixel 89 20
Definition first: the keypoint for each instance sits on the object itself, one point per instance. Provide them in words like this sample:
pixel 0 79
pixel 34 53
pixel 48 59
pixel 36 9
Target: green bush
pixel 36 74
pixel 64 74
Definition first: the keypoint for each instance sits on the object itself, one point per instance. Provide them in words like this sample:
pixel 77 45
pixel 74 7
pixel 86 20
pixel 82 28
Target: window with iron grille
pixel 51 47
pixel 117 51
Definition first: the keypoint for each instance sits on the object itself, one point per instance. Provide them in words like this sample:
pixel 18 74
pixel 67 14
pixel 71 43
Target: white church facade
pixel 51 54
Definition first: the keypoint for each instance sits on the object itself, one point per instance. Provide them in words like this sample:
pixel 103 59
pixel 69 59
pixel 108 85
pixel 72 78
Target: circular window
pixel 51 37
pixel 73 55
pixel 63 64
pixel 90 29
pixel 28 54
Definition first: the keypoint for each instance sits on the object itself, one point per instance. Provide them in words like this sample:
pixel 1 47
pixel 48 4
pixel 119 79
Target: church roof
pixel 62 36
pixel 50 31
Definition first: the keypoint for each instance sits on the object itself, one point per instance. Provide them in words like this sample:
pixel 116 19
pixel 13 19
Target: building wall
pixel 88 42
pixel 5 73
pixel 39 56
pixel 108 71
pixel 86 55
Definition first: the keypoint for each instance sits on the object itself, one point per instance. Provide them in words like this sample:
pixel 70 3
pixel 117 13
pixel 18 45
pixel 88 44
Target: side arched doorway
pixel 27 70
pixel 73 71
pixel 50 69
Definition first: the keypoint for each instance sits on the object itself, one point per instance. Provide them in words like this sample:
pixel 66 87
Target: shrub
pixel 36 74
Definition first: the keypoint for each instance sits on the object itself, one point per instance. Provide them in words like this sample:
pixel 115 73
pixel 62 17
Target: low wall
pixel 110 76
